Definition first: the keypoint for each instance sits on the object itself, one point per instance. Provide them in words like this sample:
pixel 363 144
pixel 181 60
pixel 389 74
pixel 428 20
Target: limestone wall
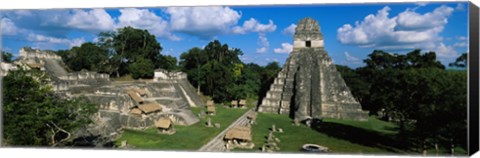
pixel 85 75
pixel 28 53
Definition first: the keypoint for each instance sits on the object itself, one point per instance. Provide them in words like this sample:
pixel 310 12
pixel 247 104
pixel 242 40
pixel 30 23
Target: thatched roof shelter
pixel 252 116
pixel 163 122
pixel 243 102
pixel 234 102
pixel 134 95
pixel 141 91
pixel 150 107
pixel 211 109
pixel 210 103
pixel 239 132
pixel 35 65
pixel 136 111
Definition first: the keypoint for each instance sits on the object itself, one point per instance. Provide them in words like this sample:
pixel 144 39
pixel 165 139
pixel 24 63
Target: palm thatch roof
pixel 150 107
pixel 210 108
pixel 134 95
pixel 141 91
pixel 210 103
pixel 243 102
pixel 136 111
pixel 35 65
pixel 239 132
pixel 163 122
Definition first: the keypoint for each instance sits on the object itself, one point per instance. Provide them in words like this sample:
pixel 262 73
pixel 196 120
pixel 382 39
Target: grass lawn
pixel 294 137
pixel 340 136
pixel 187 137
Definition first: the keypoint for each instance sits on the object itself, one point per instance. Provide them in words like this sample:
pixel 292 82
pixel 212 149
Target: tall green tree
pixel 168 62
pixel 34 115
pixel 88 56
pixel 191 63
pixel 461 61
pixel 415 91
pixel 215 67
pixel 128 45
pixel 7 57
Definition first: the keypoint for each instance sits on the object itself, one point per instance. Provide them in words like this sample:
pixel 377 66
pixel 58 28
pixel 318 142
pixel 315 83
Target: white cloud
pixel 8 27
pixel 36 38
pixel 460 44
pixel 93 20
pixel 58 23
pixel 286 48
pixel 263 42
pixel 462 38
pixel 204 22
pixel 350 58
pixel 410 20
pixel 145 19
pixel 421 3
pixel 444 51
pixel 407 30
pixel 252 25
pixel 290 30
pixel 460 7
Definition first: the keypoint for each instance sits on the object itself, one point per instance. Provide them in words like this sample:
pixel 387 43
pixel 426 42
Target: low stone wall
pixel 85 75
pixel 161 74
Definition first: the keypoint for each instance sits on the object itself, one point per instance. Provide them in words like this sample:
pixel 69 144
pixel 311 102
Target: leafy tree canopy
pixel 34 115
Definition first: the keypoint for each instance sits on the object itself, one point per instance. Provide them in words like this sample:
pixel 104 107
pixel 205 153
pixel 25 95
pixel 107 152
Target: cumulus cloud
pixel 286 48
pixel 444 51
pixel 204 22
pixel 462 38
pixel 145 19
pixel 252 25
pixel 408 27
pixel 460 7
pixel 410 20
pixel 263 42
pixel 290 30
pixel 8 27
pixel 407 30
pixel 91 20
pixel 58 23
pixel 421 3
pixel 350 58
pixel 36 38
pixel 460 44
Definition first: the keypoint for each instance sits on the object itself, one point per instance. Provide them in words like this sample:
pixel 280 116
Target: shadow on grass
pixel 389 142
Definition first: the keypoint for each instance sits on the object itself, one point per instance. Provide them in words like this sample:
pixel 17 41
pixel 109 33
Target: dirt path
pixel 217 144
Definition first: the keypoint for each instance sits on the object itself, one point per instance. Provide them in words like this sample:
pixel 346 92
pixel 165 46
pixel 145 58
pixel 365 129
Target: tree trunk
pixel 198 88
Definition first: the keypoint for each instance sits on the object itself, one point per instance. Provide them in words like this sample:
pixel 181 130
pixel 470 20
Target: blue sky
pixel 263 33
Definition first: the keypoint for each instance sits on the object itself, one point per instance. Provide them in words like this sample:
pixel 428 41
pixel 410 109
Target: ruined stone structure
pixel 117 108
pixel 309 86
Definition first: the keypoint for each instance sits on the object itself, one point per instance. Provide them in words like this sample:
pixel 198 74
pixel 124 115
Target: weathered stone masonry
pixel 309 86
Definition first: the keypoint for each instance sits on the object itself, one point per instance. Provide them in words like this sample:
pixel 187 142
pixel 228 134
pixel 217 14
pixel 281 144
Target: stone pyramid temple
pixel 309 86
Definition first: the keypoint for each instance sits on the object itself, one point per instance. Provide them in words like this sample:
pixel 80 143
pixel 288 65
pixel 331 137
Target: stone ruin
pixel 118 109
pixel 309 86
